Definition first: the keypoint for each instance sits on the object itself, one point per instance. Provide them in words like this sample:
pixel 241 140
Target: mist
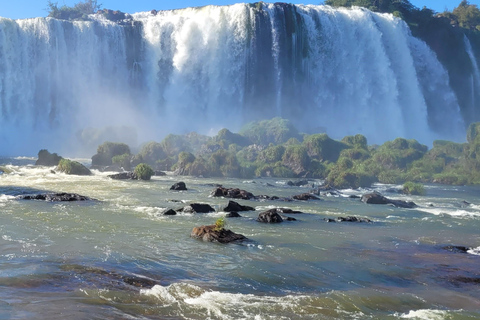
pixel 70 86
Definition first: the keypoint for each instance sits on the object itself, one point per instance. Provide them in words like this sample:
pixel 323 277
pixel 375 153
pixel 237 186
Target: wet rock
pixel 353 196
pixel 179 186
pixel 269 216
pixel 297 183
pixel 54 197
pixel 234 206
pixel 288 218
pixel 154 12
pixel 353 219
pixel 169 212
pixel 288 211
pixel 273 198
pixel 159 173
pixel 234 193
pixel 466 280
pixel 123 176
pixel 377 198
pixel 139 282
pixel 46 158
pixel 458 249
pixel 210 234
pixel 233 214
pixel 198 208
pixel 305 197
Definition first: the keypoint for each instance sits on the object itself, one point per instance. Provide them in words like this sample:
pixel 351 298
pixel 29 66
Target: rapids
pixel 80 260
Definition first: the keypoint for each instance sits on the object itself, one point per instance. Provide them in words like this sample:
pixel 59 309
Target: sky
pixel 21 9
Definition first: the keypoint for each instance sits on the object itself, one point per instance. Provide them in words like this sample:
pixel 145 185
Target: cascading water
pixel 475 78
pixel 201 69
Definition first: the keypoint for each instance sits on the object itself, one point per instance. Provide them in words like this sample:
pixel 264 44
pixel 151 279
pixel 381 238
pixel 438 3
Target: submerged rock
pixel 179 186
pixel 288 211
pixel 306 196
pixel 377 198
pixel 458 249
pixel 234 206
pixel 211 234
pixel 234 193
pixel 349 219
pixel 198 208
pixel 169 212
pixel 53 197
pixel 298 183
pixel 124 176
pixel 270 216
pixel 233 214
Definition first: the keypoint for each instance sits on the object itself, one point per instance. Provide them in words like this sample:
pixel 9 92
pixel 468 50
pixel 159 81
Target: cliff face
pixel 343 71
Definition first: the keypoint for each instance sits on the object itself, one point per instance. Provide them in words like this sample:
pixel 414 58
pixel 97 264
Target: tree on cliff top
pixel 78 11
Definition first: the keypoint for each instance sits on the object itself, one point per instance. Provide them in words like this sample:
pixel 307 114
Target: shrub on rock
pixel 108 150
pixel 143 171
pixel 73 167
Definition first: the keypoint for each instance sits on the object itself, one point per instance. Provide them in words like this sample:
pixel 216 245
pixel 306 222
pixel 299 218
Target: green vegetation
pixel 123 161
pixel 143 171
pixel 108 150
pixel 73 167
pixel 220 224
pixel 79 11
pixel 413 188
pixel 349 163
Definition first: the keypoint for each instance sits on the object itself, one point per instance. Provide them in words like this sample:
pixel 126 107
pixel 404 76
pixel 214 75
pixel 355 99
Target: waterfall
pixel 475 89
pixel 347 71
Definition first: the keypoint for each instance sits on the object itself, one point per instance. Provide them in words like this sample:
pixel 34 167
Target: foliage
pixel 296 158
pixel 152 152
pixel 79 11
pixel 73 167
pixel 123 161
pixel 174 144
pixel 276 131
pixel 322 147
pixel 220 224
pixel 107 150
pixel 143 171
pixel 467 15
pixel 271 154
pixel 227 137
pixel 413 188
pixel 46 158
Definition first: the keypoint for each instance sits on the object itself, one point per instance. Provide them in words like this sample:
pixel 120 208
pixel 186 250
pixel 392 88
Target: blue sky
pixel 20 9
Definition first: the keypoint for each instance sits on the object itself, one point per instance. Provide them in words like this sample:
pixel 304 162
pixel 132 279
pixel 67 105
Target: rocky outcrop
pixel 54 197
pixel 233 214
pixel 270 216
pixel 348 219
pixel 377 198
pixel 179 186
pixel 46 158
pixel 305 197
pixel 211 234
pixel 234 206
pixel 297 183
pixel 198 208
pixel 169 212
pixel 73 167
pixel 234 193
pixel 124 176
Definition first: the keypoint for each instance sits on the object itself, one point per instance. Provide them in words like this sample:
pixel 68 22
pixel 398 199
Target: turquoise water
pixel 79 260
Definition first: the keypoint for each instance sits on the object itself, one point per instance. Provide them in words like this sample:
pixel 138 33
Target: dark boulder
pixel 377 198
pixel 353 219
pixel 234 206
pixel 169 212
pixel 124 176
pixel 458 249
pixel 273 198
pixel 46 158
pixel 269 216
pixel 54 197
pixel 306 196
pixel 159 173
pixel 297 183
pixel 233 214
pixel 234 193
pixel 198 208
pixel 179 186
pixel 212 234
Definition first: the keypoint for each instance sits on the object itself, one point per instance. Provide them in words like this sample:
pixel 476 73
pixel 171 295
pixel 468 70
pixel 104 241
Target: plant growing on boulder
pixel 220 224
pixel 73 167
pixel 143 171
pixel 108 150
pixel 123 161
